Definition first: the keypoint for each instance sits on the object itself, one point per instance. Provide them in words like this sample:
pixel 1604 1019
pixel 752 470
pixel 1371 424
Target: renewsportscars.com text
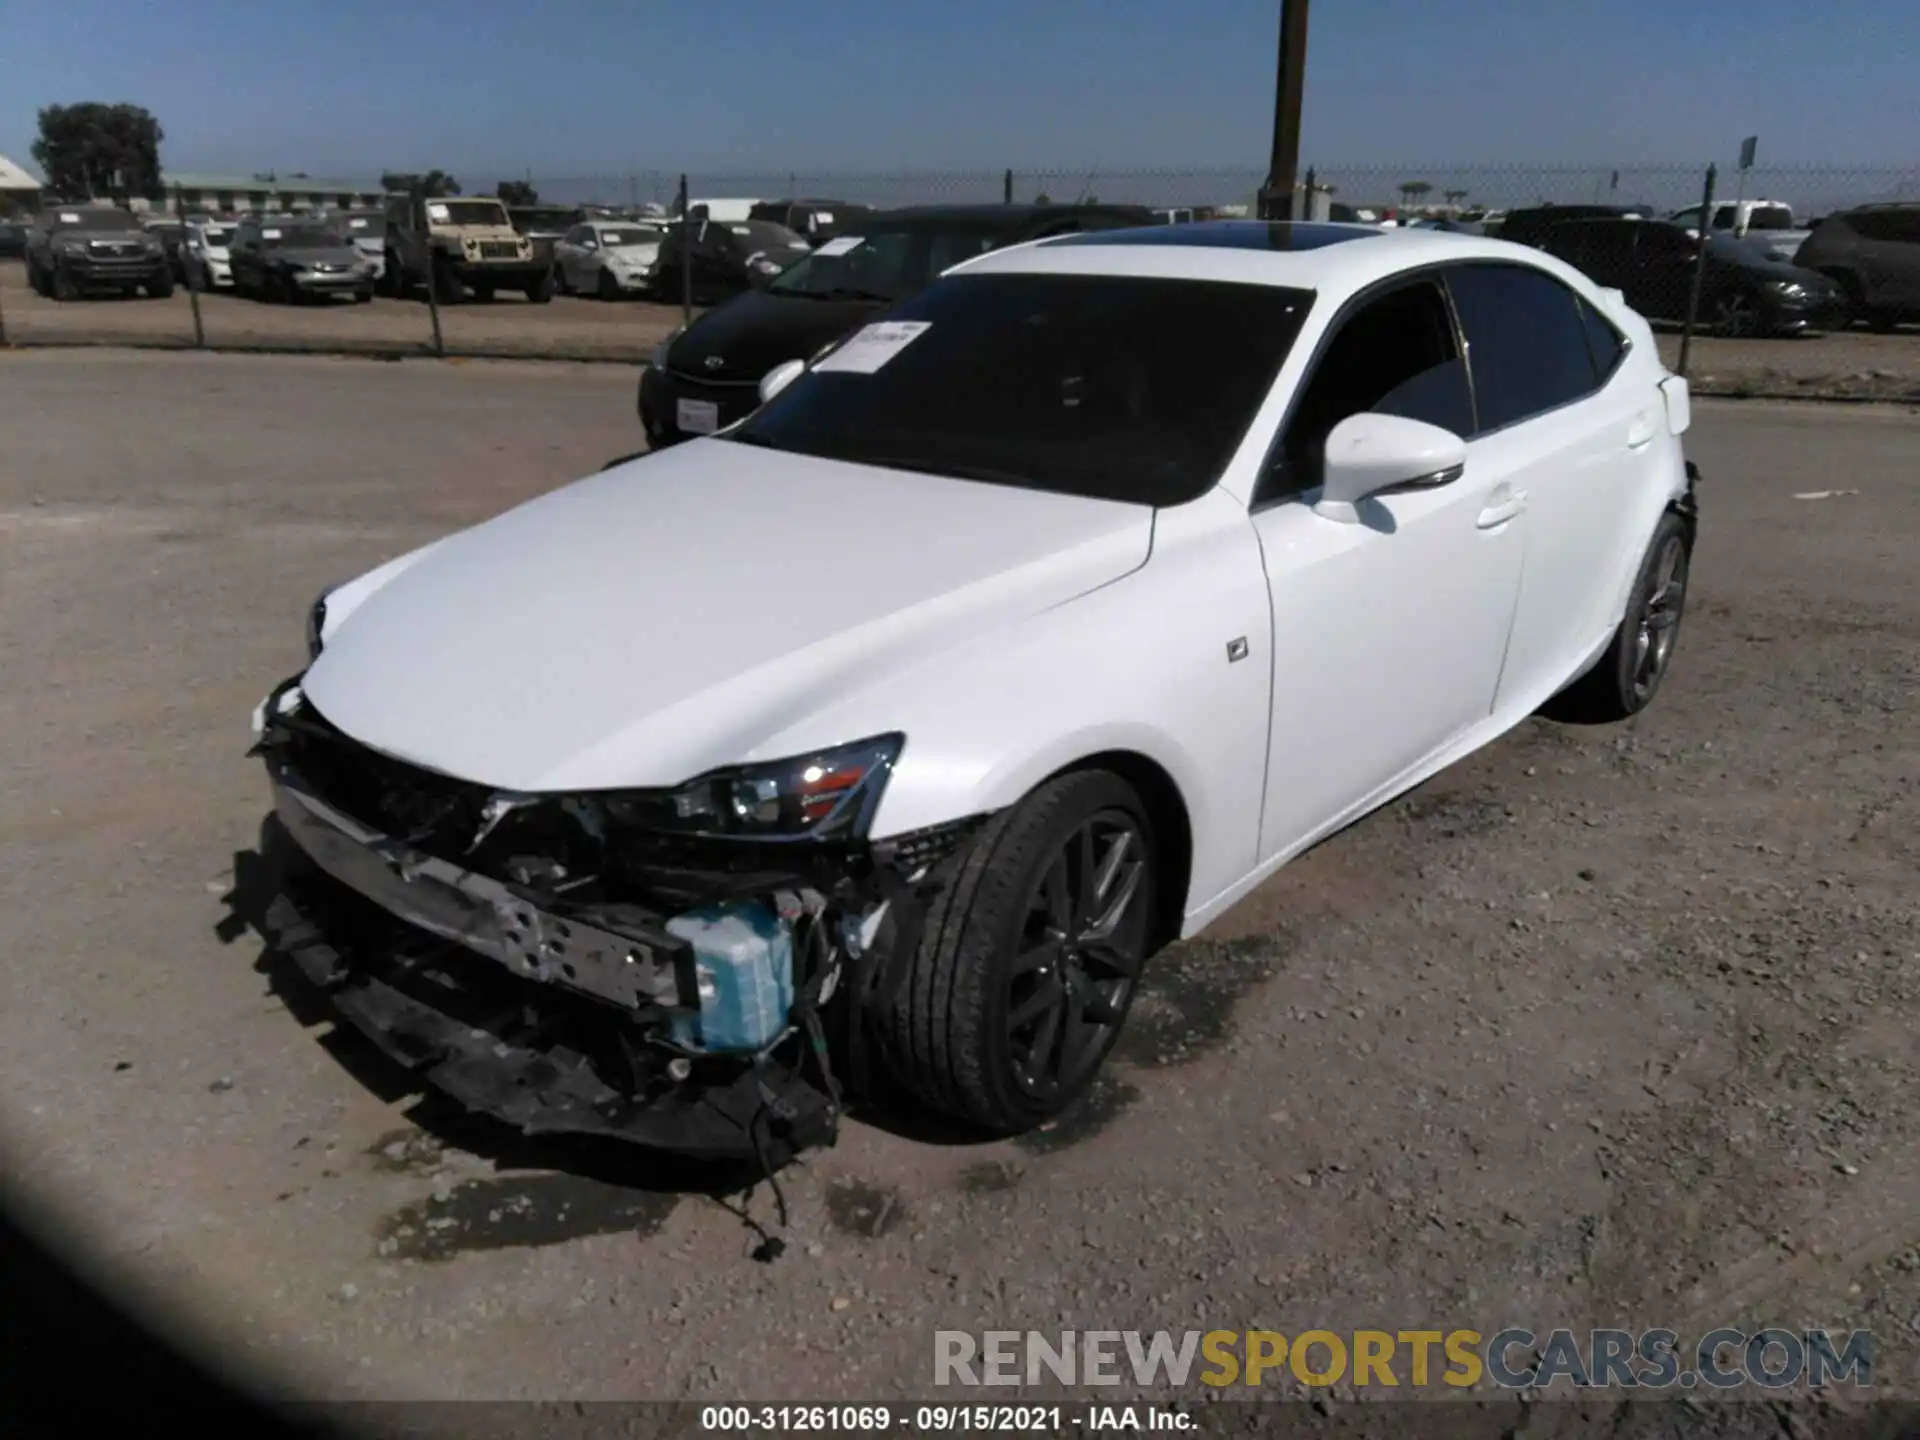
pixel 1513 1358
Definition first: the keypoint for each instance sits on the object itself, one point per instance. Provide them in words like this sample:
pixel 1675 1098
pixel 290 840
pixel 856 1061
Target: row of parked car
pixel 1764 274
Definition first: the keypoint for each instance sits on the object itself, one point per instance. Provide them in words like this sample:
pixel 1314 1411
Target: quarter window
pixel 1394 356
pixel 1604 343
pixel 1526 341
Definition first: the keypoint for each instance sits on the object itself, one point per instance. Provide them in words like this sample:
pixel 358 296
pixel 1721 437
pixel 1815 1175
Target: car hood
pixel 641 255
pixel 103 237
pixel 318 254
pixel 756 331
pixel 676 613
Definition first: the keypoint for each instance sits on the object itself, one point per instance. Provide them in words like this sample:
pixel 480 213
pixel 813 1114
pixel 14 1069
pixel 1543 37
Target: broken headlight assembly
pixel 823 795
pixel 317 623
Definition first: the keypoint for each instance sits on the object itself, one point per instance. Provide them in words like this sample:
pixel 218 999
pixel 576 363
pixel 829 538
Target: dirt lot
pixel 1856 365
pixel 1608 1026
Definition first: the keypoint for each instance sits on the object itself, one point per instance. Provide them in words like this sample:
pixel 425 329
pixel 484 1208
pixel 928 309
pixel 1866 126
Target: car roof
pixel 1306 255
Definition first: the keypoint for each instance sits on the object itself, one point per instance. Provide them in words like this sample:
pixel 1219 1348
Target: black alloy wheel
pixel 1029 957
pixel 1071 980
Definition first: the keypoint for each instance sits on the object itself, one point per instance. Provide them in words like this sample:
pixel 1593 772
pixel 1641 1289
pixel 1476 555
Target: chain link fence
pixel 582 326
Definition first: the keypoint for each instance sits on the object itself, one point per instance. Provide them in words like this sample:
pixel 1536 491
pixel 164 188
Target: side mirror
pixel 1369 453
pixel 779 377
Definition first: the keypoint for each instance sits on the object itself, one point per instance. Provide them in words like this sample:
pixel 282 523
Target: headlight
pixel 658 360
pixel 1787 289
pixel 826 795
pixel 766 267
pixel 317 622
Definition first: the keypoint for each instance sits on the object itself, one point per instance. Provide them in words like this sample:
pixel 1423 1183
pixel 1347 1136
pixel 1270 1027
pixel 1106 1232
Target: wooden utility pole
pixel 1276 197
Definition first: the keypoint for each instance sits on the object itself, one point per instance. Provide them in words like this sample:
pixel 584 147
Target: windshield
pixel 634 235
pixel 1113 387
pixel 94 219
pixel 884 264
pixel 465 212
pixel 305 236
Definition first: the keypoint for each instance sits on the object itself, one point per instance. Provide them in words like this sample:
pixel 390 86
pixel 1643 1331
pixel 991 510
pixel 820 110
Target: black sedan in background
pixel 729 258
pixel 708 375
pixel 1742 290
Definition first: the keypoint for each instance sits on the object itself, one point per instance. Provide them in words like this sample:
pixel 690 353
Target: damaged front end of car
pixel 691 969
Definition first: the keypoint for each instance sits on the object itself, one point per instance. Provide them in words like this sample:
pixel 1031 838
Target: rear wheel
pixel 1030 958
pixel 1879 318
pixel 36 280
pixel 540 288
pixel 483 293
pixel 1626 677
pixel 162 288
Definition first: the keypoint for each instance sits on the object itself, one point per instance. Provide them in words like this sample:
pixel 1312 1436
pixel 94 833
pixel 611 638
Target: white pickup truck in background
pixel 1770 224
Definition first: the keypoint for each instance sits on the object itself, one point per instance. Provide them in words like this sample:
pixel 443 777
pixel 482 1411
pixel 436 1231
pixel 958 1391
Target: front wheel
pixel 64 287
pixel 1624 680
pixel 1736 316
pixel 161 289
pixel 540 288
pixel 1030 957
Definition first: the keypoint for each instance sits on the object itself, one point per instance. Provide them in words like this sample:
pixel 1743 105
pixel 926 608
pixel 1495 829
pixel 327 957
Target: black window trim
pixel 1359 300
pixel 1626 344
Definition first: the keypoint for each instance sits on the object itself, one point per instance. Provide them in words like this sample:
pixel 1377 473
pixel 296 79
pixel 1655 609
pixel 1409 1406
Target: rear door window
pixel 1526 341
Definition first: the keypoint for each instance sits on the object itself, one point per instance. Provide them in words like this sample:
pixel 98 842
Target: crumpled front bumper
pixel 532 1056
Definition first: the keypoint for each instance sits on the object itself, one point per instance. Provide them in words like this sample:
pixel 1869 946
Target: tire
pixel 62 286
pixel 1736 315
pixel 981 1029
pixel 36 279
pixel 609 287
pixel 1849 284
pixel 1626 677
pixel 540 291
pixel 483 294
pixel 1881 319
pixel 560 285
pixel 161 289
pixel 393 278
pixel 363 297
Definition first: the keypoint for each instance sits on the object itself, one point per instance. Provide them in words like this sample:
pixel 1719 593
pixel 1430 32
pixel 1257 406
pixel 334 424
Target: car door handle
pixel 1501 511
pixel 1641 431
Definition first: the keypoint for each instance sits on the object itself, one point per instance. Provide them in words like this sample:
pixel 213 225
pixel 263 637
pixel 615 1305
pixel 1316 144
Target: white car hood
pixel 638 256
pixel 673 614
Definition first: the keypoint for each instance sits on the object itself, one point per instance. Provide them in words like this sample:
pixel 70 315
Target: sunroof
pixel 1229 235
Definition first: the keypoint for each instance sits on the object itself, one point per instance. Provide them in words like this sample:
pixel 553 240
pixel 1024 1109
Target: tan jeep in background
pixel 460 243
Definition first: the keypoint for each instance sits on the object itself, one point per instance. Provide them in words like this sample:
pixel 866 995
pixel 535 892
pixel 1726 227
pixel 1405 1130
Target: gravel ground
pixel 1603 1026
pixel 1855 365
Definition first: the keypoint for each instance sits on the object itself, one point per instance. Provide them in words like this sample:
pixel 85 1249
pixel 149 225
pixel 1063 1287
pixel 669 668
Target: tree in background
pixel 1454 197
pixel 1412 190
pixel 434 182
pixel 91 150
pixel 517 192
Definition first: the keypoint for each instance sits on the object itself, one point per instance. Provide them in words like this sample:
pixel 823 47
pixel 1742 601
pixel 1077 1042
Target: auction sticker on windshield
pixel 874 345
pixel 840 245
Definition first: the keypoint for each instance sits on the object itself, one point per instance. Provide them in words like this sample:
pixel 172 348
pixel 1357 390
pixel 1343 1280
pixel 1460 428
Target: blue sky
pixel 491 88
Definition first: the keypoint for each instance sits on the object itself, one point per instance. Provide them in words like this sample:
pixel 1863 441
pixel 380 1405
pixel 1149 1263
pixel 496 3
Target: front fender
pixel 1141 664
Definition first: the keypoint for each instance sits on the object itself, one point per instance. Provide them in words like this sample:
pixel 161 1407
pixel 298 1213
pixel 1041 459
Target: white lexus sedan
pixel 867 750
